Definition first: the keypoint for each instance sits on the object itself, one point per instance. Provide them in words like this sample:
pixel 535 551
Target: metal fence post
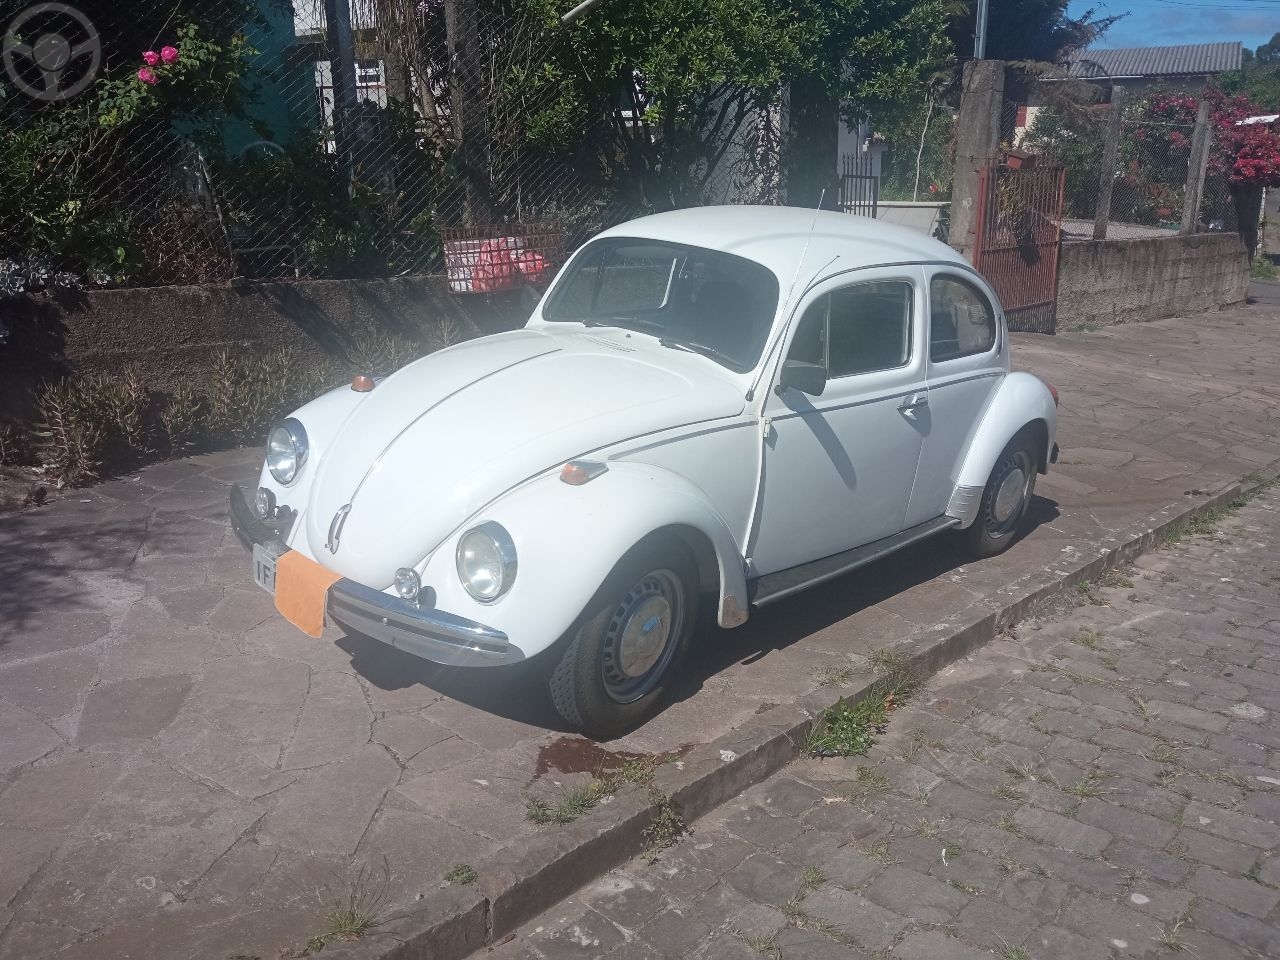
pixel 1197 163
pixel 342 74
pixel 1107 175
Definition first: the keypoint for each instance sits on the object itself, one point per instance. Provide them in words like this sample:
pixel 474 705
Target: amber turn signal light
pixel 362 383
pixel 578 472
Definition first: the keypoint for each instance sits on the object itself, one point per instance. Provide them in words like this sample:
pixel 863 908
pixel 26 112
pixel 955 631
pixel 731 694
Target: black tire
pixel 594 685
pixel 1000 518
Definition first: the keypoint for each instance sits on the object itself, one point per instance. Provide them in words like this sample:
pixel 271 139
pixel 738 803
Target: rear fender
pixel 1022 400
pixel 568 539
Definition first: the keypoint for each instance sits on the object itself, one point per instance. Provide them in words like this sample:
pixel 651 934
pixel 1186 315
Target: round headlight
pixel 486 562
pixel 286 450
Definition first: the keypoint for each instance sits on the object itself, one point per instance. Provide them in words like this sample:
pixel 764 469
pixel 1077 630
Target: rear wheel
pixel 1005 499
pixel 618 658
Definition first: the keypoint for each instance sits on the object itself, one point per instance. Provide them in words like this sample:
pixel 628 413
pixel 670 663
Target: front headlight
pixel 286 450
pixel 486 562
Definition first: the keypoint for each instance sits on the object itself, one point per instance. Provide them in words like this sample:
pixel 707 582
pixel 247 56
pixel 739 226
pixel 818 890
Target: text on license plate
pixel 264 568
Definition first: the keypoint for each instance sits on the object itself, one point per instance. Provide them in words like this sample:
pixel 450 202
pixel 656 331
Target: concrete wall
pixel 171 333
pixel 1123 281
pixel 922 215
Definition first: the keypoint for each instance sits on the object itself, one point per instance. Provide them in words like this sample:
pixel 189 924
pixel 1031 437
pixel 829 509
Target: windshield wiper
pixel 694 346
pixel 626 322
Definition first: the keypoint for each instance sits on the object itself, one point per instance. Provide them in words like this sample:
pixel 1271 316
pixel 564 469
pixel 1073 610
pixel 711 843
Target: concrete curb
pixel 534 873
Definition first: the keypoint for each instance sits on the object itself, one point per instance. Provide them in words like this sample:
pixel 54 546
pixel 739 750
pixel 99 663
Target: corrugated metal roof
pixel 1187 58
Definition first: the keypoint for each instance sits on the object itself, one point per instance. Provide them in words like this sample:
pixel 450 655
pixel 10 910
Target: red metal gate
pixel 1019 230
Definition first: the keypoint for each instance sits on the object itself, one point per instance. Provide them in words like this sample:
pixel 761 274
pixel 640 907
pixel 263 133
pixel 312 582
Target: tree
pixel 856 54
pixel 1268 54
pixel 1037 30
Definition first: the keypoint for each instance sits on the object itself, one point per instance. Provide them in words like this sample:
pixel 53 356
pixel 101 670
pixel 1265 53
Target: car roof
pixel 779 237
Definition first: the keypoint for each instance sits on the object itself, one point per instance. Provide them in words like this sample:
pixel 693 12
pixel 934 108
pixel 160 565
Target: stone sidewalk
pixel 184 774
pixel 1097 785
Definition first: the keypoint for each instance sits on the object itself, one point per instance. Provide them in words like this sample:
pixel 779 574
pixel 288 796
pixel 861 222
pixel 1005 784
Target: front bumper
pixel 422 631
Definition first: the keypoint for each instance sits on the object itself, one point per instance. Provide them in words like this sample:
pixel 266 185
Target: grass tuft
pixel 766 946
pixel 360 908
pixel 461 874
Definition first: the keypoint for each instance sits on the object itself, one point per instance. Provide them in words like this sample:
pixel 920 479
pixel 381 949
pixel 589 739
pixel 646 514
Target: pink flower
pixel 148 76
pixel 169 54
pixel 151 58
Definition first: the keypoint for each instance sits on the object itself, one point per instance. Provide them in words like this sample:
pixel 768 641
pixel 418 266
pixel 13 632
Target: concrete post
pixel 1197 164
pixel 977 140
pixel 1107 175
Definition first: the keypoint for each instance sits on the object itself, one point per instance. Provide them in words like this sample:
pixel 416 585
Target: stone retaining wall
pixel 1103 282
pixel 171 333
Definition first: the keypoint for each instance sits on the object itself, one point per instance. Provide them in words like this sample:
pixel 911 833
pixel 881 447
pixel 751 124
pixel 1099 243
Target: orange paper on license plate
pixel 301 588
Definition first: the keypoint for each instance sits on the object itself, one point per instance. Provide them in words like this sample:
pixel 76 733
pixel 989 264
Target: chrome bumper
pixel 422 631
pixel 431 634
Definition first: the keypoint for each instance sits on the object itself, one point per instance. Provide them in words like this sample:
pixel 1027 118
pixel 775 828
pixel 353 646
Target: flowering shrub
pixel 1248 154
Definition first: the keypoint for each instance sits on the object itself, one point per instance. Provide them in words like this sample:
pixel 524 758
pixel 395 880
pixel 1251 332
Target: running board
pixel 777 586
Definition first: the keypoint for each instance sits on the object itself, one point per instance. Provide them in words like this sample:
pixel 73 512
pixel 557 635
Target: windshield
pixel 691 298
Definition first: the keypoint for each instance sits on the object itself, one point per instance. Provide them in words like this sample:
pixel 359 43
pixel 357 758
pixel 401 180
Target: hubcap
pixel 1009 496
pixel 641 637
pixel 1013 486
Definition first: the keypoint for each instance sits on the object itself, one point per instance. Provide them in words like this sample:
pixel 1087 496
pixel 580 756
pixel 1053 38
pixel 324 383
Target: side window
pixel 857 329
pixel 962 321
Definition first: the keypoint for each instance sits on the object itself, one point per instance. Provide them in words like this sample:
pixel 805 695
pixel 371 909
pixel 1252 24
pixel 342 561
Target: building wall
pixel 1103 282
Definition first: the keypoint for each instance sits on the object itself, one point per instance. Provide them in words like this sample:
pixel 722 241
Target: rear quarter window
pixel 962 321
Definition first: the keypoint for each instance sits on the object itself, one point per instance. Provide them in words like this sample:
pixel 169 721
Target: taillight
pixel 1053 392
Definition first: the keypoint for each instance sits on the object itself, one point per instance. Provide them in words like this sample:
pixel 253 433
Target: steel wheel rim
pixel 641 638
pixel 1012 489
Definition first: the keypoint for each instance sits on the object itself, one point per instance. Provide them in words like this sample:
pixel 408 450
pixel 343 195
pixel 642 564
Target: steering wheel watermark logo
pixel 51 51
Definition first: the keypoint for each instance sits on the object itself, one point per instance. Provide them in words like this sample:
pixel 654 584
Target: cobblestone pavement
pixel 184 774
pixel 1102 784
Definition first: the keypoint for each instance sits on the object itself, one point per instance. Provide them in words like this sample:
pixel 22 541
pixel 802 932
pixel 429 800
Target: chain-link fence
pixel 208 140
pixel 1150 164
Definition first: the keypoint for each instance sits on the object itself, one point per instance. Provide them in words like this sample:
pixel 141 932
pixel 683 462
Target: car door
pixel 964 364
pixel 838 468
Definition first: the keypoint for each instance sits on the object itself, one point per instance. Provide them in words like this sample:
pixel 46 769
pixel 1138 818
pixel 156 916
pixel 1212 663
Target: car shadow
pixel 515 691
pixel 518 692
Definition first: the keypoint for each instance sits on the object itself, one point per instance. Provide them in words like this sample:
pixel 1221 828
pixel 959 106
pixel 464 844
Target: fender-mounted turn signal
pixel 578 472
pixel 362 383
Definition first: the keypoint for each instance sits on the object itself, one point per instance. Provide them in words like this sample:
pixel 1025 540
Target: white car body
pixel 757 481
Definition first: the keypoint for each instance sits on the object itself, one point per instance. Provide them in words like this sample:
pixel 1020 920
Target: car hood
pixel 445 436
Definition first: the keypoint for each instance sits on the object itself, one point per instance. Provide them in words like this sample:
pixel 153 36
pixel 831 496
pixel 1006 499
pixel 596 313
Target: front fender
pixel 1021 399
pixel 568 539
pixel 321 418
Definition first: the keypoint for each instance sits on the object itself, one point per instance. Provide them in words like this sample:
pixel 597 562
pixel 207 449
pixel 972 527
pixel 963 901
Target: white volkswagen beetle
pixel 721 403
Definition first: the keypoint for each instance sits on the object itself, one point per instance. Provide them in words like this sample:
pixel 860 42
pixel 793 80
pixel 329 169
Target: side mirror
pixel 810 378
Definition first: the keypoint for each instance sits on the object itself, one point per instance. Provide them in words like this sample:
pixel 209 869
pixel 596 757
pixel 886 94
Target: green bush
pixel 104 423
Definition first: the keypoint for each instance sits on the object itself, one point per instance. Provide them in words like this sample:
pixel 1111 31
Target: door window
pixel 857 329
pixel 961 319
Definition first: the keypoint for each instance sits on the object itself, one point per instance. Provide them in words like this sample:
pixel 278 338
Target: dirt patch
pixel 23 487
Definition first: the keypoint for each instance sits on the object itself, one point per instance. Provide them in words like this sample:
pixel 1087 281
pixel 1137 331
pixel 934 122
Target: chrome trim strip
pixel 335 527
pixel 431 634
pixel 898 395
pixel 777 586
pixel 962 379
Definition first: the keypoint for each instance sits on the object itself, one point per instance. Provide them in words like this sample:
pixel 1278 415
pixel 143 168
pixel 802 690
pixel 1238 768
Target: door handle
pixel 914 402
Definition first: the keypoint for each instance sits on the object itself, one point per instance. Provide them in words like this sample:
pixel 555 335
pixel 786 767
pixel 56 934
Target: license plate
pixel 264 568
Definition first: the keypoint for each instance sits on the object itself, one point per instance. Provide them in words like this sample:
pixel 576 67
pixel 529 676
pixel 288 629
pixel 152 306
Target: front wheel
pixel 1005 498
pixel 619 656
